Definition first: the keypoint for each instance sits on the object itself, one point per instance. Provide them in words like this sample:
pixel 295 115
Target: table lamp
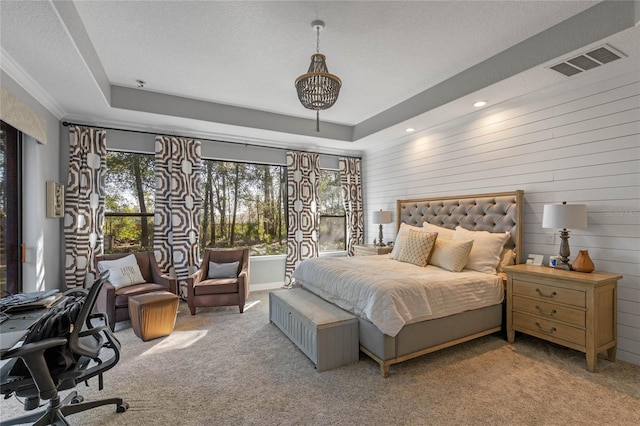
pixel 563 216
pixel 381 217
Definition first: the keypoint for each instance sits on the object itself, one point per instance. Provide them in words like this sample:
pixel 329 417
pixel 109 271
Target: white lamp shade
pixel 381 217
pixel 564 216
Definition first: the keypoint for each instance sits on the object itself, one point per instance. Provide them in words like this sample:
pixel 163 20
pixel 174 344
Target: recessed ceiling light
pixel 480 104
pixel 409 129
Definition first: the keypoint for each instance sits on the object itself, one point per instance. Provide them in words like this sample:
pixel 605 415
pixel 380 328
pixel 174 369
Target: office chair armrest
pixel 33 347
pixel 32 354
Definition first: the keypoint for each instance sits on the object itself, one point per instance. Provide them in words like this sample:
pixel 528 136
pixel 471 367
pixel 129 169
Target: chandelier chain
pixel 318 39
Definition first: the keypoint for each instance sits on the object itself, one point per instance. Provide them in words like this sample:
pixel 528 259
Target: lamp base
pixel 380 239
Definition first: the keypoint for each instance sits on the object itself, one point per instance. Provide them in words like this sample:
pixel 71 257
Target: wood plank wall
pixel 580 146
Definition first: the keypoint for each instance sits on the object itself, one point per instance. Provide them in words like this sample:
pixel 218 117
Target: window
pixel 10 212
pixel 243 205
pixel 333 222
pixel 129 202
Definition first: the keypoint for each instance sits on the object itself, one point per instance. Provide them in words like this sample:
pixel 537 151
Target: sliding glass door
pixel 10 214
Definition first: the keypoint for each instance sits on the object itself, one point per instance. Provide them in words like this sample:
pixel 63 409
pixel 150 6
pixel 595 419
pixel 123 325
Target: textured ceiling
pixel 213 67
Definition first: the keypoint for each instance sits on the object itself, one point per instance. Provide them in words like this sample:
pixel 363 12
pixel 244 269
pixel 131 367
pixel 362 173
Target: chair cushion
pixel 216 286
pixel 123 293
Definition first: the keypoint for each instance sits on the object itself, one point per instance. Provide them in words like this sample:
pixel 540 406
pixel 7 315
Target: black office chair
pixel 63 349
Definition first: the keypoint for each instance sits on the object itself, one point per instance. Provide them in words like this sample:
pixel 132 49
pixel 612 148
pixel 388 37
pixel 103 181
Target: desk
pixel 17 326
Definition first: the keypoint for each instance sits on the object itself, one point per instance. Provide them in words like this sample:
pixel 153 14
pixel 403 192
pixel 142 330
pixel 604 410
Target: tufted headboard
pixel 497 212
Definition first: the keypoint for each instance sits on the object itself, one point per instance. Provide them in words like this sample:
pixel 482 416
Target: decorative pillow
pixel 122 272
pixel 417 247
pixel 443 233
pixel 508 257
pixel 223 270
pixel 403 232
pixel 450 255
pixel 486 250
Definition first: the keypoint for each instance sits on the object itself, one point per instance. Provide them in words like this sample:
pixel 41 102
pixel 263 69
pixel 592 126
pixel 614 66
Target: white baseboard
pixel 266 286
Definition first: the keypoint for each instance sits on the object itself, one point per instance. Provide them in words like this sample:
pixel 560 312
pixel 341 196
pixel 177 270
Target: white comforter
pixel 390 293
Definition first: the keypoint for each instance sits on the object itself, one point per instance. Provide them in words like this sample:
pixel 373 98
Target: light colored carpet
pixel 222 368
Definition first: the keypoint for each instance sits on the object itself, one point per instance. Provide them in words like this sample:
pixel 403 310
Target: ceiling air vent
pixel 589 60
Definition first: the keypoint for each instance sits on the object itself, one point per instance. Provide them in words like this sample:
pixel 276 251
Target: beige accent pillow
pixel 403 232
pixel 443 233
pixel 486 250
pixel 122 272
pixel 417 247
pixel 450 255
pixel 508 257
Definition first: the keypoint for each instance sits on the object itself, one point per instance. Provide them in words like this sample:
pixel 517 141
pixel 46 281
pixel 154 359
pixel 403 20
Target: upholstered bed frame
pixel 496 212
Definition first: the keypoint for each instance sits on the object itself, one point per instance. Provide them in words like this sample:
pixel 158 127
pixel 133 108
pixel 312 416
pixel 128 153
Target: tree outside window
pixel 243 205
pixel 331 208
pixel 129 202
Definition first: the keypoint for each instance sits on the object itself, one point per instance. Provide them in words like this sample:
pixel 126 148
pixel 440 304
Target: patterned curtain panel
pixel 303 178
pixel 177 210
pixel 350 178
pixel 84 202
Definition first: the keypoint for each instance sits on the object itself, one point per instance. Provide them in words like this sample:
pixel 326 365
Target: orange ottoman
pixel 153 315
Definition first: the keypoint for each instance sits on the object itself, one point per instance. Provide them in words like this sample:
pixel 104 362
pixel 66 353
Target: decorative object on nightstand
pixel 381 217
pixel 370 250
pixel 583 262
pixel 564 307
pixel 563 216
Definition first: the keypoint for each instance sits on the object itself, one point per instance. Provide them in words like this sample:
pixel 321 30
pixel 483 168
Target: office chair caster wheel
pixel 77 399
pixel 122 407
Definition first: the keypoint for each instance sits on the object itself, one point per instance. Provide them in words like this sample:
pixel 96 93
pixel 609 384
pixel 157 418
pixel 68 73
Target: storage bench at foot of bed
pixel 322 331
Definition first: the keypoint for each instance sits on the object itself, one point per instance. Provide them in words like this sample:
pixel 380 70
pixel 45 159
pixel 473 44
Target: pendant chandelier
pixel 318 89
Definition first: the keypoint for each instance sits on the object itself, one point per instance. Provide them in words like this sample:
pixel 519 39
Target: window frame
pixel 13 245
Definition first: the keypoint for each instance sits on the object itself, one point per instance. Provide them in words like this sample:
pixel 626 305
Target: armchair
pixel 114 301
pixel 63 349
pixel 208 288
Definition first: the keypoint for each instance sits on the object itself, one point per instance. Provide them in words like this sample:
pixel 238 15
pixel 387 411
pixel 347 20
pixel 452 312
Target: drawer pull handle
pixel 550 330
pixel 550 313
pixel 545 295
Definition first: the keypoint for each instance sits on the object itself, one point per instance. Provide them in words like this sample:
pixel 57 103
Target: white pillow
pixel 450 255
pixel 418 247
pixel 403 232
pixel 443 233
pixel 486 250
pixel 223 270
pixel 122 272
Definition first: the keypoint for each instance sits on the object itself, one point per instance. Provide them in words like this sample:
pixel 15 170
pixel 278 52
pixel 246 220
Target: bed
pixel 388 296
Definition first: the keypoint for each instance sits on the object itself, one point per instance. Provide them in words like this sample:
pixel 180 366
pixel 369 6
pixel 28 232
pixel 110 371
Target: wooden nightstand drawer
pixel 549 329
pixel 550 293
pixel 550 311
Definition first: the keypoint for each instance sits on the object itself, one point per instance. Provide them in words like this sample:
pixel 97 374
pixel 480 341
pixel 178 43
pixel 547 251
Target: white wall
pixel 580 145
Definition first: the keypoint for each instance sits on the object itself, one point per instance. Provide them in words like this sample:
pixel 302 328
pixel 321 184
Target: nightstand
pixel 572 309
pixel 370 250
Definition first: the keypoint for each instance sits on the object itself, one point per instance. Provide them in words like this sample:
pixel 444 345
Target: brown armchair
pixel 115 301
pixel 233 290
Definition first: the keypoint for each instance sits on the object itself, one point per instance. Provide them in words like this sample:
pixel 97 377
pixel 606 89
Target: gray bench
pixel 322 331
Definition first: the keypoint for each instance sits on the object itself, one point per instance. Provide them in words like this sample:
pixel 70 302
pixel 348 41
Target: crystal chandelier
pixel 318 89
